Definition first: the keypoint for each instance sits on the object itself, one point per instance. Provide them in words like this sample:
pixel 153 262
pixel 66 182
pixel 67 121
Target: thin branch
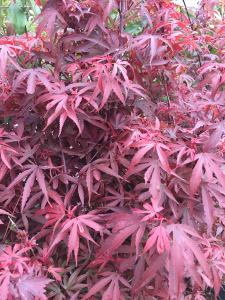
pixel 191 25
pixel 122 9
pixel 187 12
pixel 63 160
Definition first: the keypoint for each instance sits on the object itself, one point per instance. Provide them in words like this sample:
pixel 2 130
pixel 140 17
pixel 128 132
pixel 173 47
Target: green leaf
pixel 17 17
pixel 113 16
pixel 36 9
pixel 165 99
pixel 135 28
pixel 3 15
pixel 212 50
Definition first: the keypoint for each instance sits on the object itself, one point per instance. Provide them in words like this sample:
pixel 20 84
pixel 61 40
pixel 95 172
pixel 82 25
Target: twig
pixel 8 226
pixel 63 156
pixel 187 12
pixel 189 18
pixel 63 160
pixel 122 9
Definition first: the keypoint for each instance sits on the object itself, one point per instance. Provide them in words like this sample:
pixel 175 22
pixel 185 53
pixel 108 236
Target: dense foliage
pixel 112 150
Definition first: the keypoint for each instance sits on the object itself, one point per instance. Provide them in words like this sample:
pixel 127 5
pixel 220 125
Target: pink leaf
pixel 81 193
pixel 4 285
pixel 208 208
pixel 176 271
pixel 73 243
pixel 196 177
pixel 107 170
pixel 31 84
pixel 5 159
pixel 163 159
pixel 154 45
pixel 97 287
pixel 140 154
pixel 27 189
pixel 19 178
pixel 30 287
pixel 41 181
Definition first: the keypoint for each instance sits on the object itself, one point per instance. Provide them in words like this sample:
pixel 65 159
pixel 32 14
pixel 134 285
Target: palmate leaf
pixel 154 42
pixel 33 77
pixel 54 215
pixel 149 274
pixel 47 21
pixel 74 283
pixel 112 78
pixel 74 229
pixel 32 286
pixel 152 177
pixel 66 107
pixel 124 225
pixel 159 236
pixel 113 280
pixel 206 168
pixel 183 241
pixel 15 258
pixel 31 173
pixel 147 147
pixel 94 171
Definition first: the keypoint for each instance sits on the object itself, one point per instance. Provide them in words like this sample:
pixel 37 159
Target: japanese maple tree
pixel 112 152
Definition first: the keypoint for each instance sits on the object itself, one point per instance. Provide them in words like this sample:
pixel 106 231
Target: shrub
pixel 112 152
